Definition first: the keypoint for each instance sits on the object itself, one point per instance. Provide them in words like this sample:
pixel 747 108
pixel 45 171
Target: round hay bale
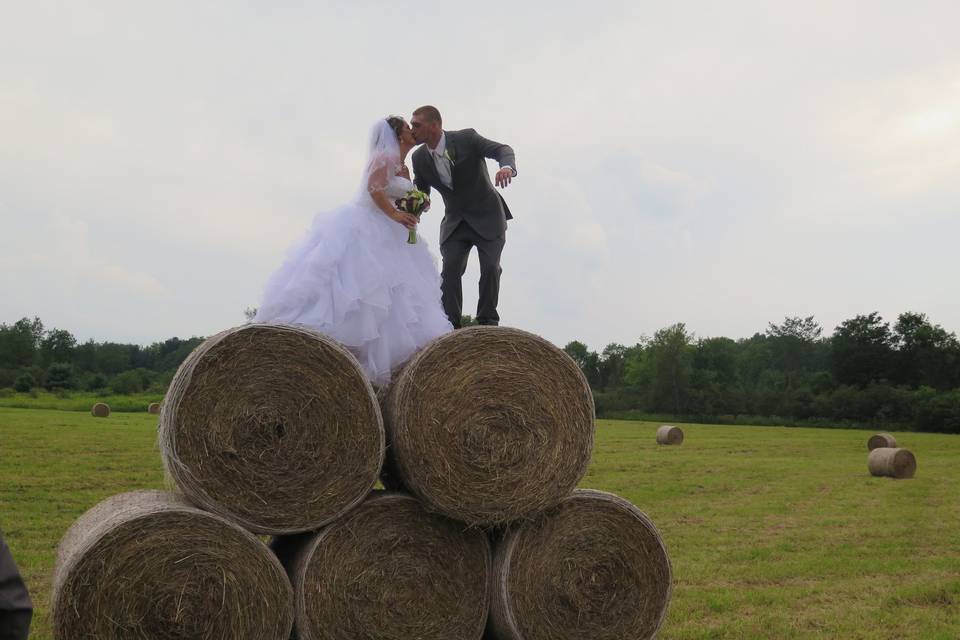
pixel 881 440
pixel 153 407
pixel 146 564
pixel 891 462
pixel 668 434
pixel 275 427
pixel 489 424
pixel 595 567
pixel 389 570
pixel 100 410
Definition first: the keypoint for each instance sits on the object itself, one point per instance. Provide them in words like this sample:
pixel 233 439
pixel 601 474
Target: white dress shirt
pixel 442 161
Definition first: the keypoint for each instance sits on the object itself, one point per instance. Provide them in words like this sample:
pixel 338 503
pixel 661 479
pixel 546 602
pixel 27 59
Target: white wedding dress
pixel 355 278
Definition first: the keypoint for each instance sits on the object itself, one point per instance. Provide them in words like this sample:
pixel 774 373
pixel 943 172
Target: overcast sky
pixel 719 164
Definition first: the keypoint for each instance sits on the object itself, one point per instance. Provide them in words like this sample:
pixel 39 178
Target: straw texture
pixel 273 426
pixel 668 434
pixel 881 440
pixel 489 424
pixel 595 567
pixel 100 410
pixel 392 571
pixel 893 463
pixel 148 565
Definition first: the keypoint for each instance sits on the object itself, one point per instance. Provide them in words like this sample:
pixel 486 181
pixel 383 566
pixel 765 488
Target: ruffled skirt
pixel 355 278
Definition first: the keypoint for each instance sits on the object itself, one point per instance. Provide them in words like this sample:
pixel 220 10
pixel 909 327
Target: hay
pixel 392 571
pixel 148 565
pixel 489 424
pixel 880 440
pixel 595 568
pixel 153 407
pixel 894 463
pixel 273 426
pixel 668 434
pixel 100 410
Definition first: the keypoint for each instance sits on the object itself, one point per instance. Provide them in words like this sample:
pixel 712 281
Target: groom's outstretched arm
pixel 502 153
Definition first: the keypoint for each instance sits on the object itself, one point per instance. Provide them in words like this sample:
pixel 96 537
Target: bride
pixel 355 278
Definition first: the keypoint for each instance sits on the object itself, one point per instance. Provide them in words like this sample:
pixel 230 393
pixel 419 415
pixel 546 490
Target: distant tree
pixel 24 382
pixel 95 381
pixel 250 313
pixel 19 342
pixel 862 350
pixel 671 354
pixel 587 360
pixel 127 382
pixel 57 345
pixel 468 321
pixel 611 366
pixel 926 353
pixel 792 346
pixel 59 376
pixel 113 357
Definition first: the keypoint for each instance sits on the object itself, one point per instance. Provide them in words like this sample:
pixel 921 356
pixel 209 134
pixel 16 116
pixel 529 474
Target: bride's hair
pixel 396 123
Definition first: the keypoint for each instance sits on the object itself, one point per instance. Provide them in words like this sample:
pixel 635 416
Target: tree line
pixel 867 372
pixel 32 356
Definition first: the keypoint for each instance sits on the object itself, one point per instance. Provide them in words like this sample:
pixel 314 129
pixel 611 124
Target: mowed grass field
pixel 773 532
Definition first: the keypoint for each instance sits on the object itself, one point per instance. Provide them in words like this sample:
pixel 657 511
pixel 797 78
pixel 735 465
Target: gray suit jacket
pixel 473 198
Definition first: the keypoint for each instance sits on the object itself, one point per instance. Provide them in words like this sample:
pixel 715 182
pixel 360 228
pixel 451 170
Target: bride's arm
pixel 375 185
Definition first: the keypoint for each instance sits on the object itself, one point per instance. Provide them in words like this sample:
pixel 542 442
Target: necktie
pixel 443 169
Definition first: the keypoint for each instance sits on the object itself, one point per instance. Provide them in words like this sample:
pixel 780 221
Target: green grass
pixel 774 532
pixel 80 401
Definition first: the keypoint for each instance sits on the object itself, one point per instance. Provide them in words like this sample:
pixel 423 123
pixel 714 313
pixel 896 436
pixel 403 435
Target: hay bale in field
pixel 153 407
pixel 668 434
pixel 146 564
pixel 595 567
pixel 892 462
pixel 273 426
pixel 389 570
pixel 489 424
pixel 100 410
pixel 881 440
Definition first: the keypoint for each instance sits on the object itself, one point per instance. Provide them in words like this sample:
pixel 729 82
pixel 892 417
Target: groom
pixel 453 163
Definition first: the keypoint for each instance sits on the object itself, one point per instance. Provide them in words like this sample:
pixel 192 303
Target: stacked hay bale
pixel 892 462
pixel 888 460
pixel 271 429
pixel 265 429
pixel 147 564
pixel 494 427
pixel 879 440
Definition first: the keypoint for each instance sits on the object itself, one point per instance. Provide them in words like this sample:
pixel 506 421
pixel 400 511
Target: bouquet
pixel 414 202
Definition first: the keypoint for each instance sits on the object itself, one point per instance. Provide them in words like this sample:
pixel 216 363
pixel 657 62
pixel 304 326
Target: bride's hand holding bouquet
pixel 413 204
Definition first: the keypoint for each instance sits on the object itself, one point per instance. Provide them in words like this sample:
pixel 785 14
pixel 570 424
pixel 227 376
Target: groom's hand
pixel 503 177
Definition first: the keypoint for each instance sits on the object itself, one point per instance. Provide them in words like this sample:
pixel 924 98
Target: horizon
pixel 711 165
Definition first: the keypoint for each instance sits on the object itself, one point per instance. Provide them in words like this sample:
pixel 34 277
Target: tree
pixel 24 382
pixel 862 350
pixel 587 360
pixel 19 342
pixel 57 345
pixel 59 376
pixel 792 346
pixel 670 355
pixel 926 353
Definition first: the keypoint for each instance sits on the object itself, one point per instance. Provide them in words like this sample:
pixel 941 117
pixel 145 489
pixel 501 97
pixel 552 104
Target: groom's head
pixel 427 125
